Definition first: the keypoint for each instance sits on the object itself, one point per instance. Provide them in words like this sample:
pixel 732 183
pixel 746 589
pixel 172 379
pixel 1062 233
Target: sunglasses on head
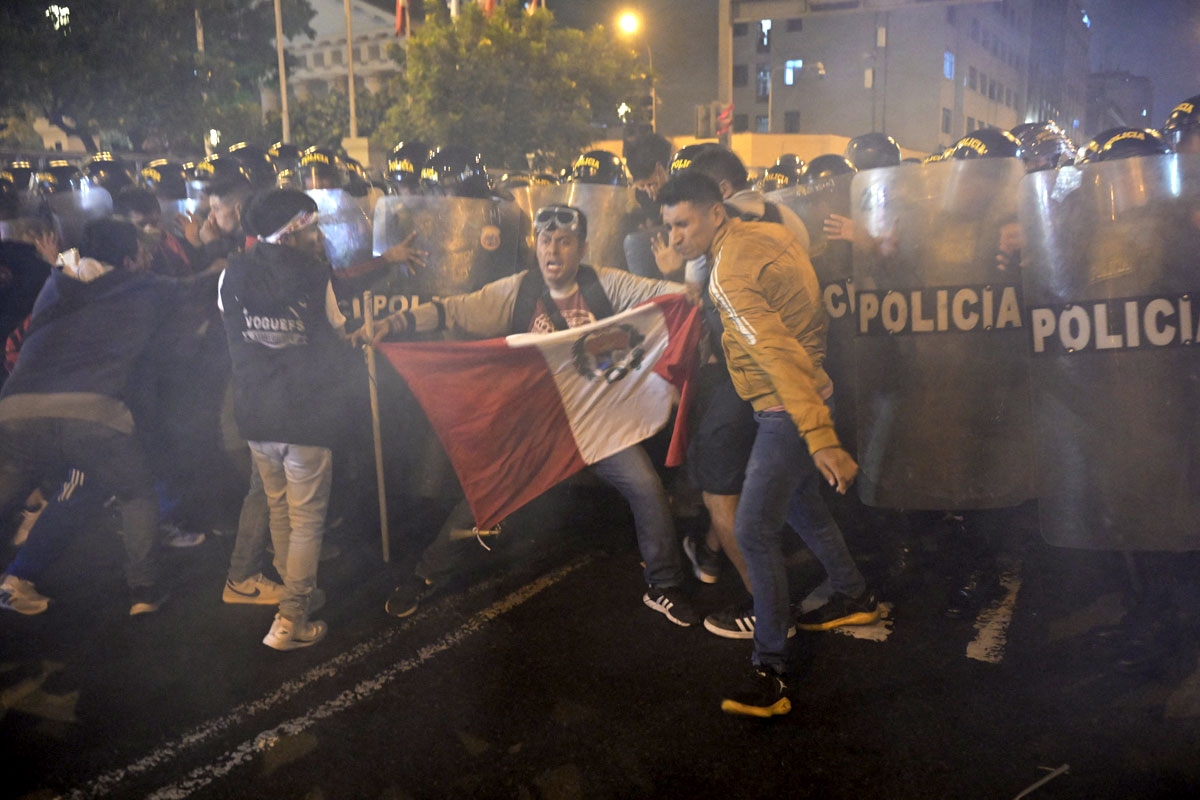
pixel 552 217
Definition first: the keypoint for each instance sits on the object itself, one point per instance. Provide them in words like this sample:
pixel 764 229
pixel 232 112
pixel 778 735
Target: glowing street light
pixel 629 23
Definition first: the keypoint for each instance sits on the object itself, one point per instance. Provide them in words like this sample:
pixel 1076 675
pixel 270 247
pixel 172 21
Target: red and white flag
pixel 519 414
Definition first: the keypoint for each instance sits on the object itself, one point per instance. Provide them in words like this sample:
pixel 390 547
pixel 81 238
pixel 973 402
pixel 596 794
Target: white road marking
pixel 993 621
pixel 109 781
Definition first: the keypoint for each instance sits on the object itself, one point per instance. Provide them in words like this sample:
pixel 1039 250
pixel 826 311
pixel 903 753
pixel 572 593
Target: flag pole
pixel 372 386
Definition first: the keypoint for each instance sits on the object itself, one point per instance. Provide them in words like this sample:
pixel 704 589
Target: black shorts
pixel 721 441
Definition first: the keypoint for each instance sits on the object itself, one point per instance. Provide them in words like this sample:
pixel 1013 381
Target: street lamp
pixel 629 24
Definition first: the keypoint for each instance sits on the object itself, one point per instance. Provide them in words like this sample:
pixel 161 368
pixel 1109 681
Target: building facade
pixel 923 71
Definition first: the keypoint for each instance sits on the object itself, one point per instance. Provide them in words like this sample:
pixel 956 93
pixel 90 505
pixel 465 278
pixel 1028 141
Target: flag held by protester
pixel 519 414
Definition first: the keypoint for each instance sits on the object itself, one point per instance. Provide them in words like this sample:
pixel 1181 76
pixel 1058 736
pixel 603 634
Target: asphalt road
pixel 546 677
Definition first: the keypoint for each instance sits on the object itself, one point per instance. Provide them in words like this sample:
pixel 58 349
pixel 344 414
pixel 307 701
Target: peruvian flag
pixel 401 17
pixel 519 414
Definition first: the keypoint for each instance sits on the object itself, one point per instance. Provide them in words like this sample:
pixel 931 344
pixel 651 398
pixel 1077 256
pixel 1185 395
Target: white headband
pixel 301 220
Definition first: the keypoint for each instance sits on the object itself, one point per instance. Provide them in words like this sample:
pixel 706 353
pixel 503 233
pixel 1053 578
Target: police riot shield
pixel 940 349
pixel 73 210
pixel 830 257
pixel 346 228
pixel 639 255
pixel 1112 282
pixel 469 242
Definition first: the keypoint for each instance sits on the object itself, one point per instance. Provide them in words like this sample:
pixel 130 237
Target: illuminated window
pixel 948 65
pixel 790 68
pixel 764 36
pixel 763 83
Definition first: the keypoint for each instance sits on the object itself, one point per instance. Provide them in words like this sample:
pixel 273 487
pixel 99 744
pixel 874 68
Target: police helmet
pixel 214 168
pixel 358 180
pixel 166 179
pixel 872 150
pixel 1122 142
pixel 19 175
pixel 825 167
pixel 776 177
pixel 599 166
pixel 255 164
pixel 1044 145
pixel 986 143
pixel 405 163
pixel 791 163
pixel 322 168
pixel 59 176
pixel 457 170
pixel 1183 125
pixel 284 151
pixel 108 171
pixel 684 158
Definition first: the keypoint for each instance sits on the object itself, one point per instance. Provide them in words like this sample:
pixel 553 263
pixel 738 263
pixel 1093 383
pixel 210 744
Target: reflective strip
pixel 718 294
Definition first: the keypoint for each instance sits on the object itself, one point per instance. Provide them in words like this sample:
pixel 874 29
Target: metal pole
pixel 377 433
pixel 350 70
pixel 283 95
pixel 653 90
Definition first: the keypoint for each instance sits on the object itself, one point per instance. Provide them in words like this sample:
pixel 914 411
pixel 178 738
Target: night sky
pixel 1158 39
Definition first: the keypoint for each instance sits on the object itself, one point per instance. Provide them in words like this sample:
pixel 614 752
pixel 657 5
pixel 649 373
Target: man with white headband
pixel 291 366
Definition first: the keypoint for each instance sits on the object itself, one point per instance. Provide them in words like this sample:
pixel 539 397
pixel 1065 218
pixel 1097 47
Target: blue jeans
pixel 296 479
pixel 632 474
pixel 253 529
pixel 783 485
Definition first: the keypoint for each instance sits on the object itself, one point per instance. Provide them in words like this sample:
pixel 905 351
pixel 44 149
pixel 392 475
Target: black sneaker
pixel 672 603
pixel 406 597
pixel 706 563
pixel 841 610
pixel 979 589
pixel 736 621
pixel 764 694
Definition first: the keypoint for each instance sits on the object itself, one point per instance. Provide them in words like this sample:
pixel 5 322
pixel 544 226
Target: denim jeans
pixel 34 449
pixel 250 543
pixel 296 479
pixel 632 474
pixel 783 485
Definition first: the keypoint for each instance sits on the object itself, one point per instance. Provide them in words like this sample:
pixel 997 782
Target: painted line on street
pixel 992 623
pixel 249 749
pixel 109 781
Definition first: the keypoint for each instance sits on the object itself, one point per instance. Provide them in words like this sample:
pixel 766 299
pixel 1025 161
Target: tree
pixel 508 84
pixel 134 66
pixel 325 121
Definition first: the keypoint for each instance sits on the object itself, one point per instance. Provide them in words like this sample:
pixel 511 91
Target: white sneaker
pixel 288 635
pixel 175 536
pixel 19 595
pixel 256 590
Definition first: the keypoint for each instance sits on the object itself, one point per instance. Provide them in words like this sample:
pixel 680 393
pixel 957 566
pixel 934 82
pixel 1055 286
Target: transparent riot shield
pixel 1112 287
pixel 346 227
pixel 73 210
pixel 639 256
pixel 830 258
pixel 470 242
pixel 940 350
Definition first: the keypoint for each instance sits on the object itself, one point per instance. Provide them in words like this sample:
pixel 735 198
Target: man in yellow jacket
pixel 774 341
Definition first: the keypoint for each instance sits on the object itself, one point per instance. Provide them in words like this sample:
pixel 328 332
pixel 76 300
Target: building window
pixel 373 52
pixel 762 83
pixel 764 36
pixel 795 25
pixel 741 75
pixel 869 77
pixel 970 124
pixel 945 120
pixel 991 90
pixel 948 65
pixel 740 28
pixel 318 59
pixel 983 83
pixel 762 124
pixel 335 56
pixel 1008 97
pixel 986 39
pixel 741 123
pixel 791 122
pixel 972 78
pixel 790 68
pixel 974 30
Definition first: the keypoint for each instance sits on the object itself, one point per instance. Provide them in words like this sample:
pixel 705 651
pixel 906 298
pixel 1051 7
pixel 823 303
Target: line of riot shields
pixel 999 337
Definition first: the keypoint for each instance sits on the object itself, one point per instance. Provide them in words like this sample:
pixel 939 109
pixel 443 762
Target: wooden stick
pixel 369 322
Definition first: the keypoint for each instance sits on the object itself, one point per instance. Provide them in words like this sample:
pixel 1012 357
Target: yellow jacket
pixel 774 325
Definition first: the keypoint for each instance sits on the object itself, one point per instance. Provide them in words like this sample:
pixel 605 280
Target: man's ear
pixel 717 210
pixel 726 188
